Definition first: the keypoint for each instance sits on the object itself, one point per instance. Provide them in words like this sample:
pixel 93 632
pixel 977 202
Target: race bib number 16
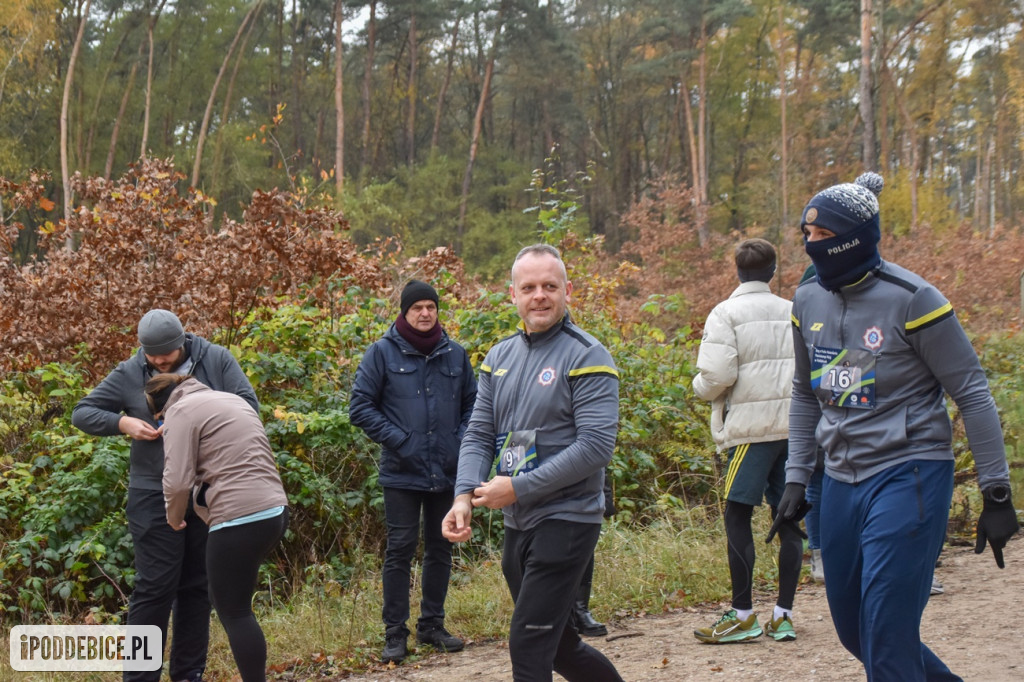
pixel 843 377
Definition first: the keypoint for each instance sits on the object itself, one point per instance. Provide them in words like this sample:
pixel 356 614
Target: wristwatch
pixel 998 493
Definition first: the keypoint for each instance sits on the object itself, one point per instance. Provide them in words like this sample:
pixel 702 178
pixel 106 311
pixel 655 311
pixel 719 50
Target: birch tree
pixel 65 173
pixel 204 126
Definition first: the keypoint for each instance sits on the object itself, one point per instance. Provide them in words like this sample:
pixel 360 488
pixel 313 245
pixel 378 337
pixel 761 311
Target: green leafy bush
pixel 64 535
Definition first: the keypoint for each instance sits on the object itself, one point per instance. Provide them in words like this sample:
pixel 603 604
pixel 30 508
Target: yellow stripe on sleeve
pixel 596 369
pixel 925 319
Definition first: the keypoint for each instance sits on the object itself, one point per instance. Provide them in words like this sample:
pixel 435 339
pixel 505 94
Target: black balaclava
pixel 850 211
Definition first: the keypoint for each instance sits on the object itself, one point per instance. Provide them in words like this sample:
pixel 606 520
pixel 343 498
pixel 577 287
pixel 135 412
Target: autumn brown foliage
pixel 139 243
pixel 979 273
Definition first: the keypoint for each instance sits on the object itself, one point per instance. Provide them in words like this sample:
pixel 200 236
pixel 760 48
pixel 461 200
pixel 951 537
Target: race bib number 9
pixel 516 452
pixel 843 377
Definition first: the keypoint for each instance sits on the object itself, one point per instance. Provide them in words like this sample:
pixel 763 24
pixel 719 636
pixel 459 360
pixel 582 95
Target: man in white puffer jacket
pixel 746 370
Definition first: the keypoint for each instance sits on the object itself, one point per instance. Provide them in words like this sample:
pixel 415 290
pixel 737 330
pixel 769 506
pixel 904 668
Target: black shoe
pixel 440 639
pixel 585 622
pixel 395 647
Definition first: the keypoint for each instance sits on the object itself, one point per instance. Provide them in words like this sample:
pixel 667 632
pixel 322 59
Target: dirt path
pixel 970 627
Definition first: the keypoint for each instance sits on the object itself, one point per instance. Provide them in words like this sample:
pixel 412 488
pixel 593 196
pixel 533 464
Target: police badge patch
pixel 873 338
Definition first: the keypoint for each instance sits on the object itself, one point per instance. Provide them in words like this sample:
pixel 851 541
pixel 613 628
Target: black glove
pixel 997 523
pixel 793 507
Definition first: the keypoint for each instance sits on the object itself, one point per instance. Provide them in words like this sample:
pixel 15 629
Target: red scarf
pixel 424 342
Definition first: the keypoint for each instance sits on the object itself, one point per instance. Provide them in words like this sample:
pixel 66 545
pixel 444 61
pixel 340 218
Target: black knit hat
pixel 417 290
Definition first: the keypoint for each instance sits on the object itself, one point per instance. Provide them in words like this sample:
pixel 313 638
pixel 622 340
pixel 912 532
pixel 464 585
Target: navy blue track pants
pixel 880 539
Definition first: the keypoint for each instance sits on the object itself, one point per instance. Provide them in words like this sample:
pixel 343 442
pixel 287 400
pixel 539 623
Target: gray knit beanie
pixel 160 332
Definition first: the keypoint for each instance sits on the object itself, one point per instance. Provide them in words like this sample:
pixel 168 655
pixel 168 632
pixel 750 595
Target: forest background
pixel 273 172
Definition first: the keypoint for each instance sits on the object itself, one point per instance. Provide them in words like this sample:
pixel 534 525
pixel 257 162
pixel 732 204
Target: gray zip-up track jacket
pixel 873 364
pixel 563 384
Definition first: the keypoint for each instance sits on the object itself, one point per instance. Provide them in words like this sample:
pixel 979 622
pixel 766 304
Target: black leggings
pixel 741 556
pixel 233 558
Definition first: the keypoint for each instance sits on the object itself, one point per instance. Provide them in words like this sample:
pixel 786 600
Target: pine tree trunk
pixel 204 126
pixel 867 104
pixel 65 173
pixel 225 113
pixel 783 145
pixel 149 80
pixel 371 44
pixel 485 93
pixel 703 231
pixel 108 168
pixel 410 95
pixel 443 94
pixel 339 104
pixel 100 99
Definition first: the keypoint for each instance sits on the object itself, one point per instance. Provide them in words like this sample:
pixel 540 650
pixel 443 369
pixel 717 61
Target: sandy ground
pixel 969 627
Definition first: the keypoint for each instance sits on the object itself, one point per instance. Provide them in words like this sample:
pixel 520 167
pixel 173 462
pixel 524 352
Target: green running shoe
pixel 781 629
pixel 729 628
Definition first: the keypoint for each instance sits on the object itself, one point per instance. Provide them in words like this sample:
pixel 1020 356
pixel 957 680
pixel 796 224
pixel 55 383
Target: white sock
pixel 743 614
pixel 779 612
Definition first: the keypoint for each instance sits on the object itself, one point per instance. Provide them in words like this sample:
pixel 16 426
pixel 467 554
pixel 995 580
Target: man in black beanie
pixel 413 394
pixel 416 291
pixel 170 565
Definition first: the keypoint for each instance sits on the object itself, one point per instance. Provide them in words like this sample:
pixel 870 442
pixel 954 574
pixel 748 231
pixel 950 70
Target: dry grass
pixel 677 560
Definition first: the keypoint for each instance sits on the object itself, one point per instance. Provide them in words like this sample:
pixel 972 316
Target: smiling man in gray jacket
pixel 547 412
pixel 170 566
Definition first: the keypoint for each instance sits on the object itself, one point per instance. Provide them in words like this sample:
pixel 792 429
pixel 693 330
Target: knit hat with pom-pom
pixel 845 207
pixel 850 211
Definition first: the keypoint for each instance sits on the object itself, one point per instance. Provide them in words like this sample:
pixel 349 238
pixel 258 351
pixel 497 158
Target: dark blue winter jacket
pixel 417 407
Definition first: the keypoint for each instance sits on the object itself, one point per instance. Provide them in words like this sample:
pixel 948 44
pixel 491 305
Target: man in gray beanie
pixel 160 332
pixel 170 565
